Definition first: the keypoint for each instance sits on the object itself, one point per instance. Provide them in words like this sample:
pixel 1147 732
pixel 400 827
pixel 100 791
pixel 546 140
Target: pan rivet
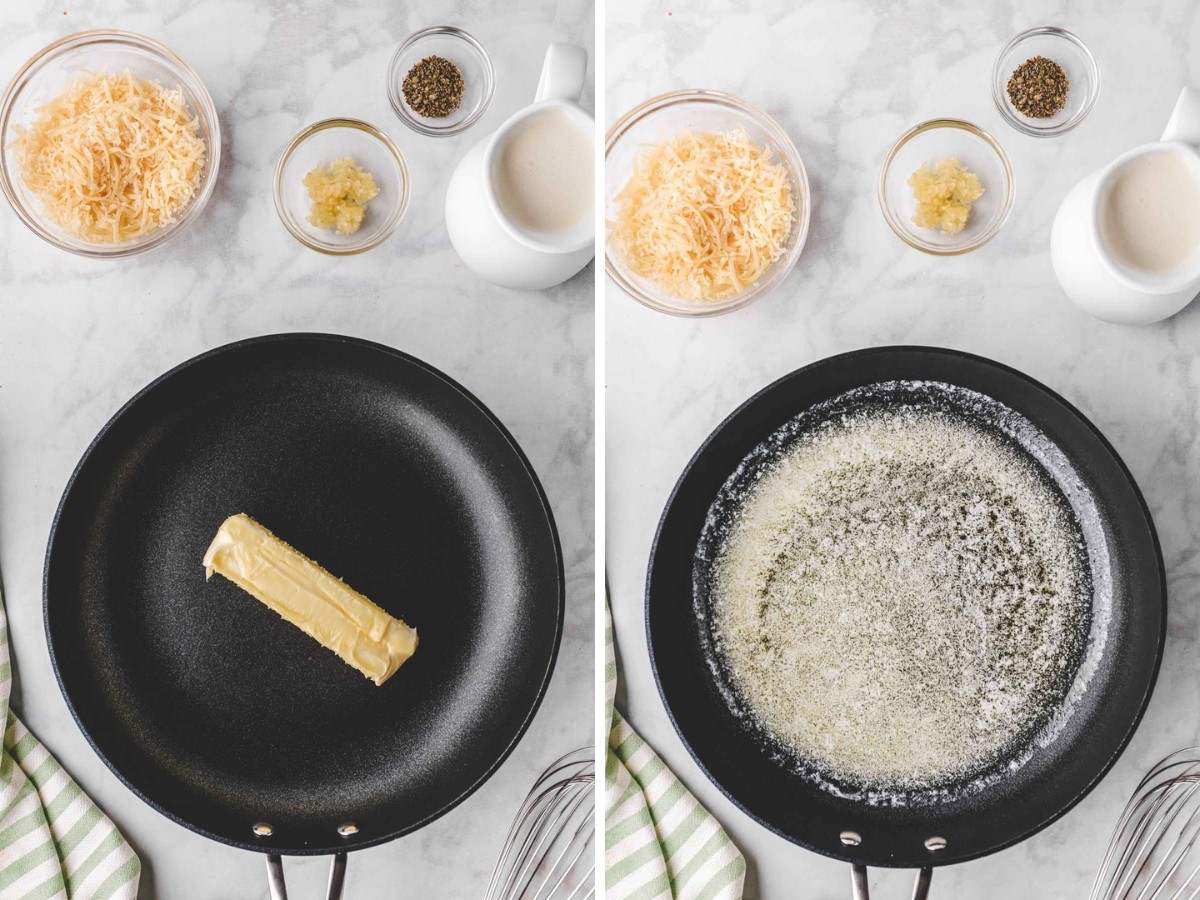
pixel 935 844
pixel 347 829
pixel 262 829
pixel 851 838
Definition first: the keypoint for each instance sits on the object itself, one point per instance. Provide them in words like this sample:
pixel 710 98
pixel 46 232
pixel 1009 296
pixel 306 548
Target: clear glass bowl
pixel 44 78
pixel 460 48
pixel 322 143
pixel 1077 62
pixel 699 110
pixel 926 144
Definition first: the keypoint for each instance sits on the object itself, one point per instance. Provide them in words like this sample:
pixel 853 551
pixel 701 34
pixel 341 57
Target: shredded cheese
pixel 704 215
pixel 113 158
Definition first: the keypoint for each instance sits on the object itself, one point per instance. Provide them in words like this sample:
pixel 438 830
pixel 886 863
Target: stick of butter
pixel 303 593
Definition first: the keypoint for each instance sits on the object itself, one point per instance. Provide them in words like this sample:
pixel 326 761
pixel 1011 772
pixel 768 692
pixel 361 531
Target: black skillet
pixel 221 715
pixel 1015 803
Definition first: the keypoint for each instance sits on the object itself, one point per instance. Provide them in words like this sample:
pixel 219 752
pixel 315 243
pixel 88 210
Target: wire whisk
pixel 1154 853
pixel 548 854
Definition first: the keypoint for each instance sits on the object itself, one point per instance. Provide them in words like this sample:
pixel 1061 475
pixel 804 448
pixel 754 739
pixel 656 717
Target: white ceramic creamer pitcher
pixel 490 243
pixel 1087 269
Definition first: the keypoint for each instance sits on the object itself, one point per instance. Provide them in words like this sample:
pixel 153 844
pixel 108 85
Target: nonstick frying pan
pixel 999 811
pixel 229 720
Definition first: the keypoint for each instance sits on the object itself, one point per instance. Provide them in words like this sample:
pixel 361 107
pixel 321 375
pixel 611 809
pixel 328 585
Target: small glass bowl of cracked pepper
pixel 441 81
pixel 1045 81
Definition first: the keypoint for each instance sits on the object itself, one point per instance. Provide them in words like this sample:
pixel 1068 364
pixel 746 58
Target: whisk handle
pixel 278 888
pixel 858 883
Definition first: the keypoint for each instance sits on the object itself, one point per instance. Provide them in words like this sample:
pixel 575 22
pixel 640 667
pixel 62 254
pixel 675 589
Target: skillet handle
pixel 278 889
pixel 337 877
pixel 858 883
pixel 275 882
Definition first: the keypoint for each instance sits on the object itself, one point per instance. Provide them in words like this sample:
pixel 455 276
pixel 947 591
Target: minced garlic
pixel 340 192
pixel 944 193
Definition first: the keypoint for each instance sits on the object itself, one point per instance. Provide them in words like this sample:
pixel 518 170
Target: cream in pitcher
pixel 1150 218
pixel 519 207
pixel 544 176
pixel 1126 239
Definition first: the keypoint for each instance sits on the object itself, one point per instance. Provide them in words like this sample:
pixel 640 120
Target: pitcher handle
pixel 1184 124
pixel 562 73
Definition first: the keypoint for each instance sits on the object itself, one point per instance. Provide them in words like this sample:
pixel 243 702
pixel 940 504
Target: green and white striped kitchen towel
pixel 54 841
pixel 659 842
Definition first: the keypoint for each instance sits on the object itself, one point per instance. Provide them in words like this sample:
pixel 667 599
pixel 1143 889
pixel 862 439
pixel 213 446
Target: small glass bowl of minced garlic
pixel 341 186
pixel 946 187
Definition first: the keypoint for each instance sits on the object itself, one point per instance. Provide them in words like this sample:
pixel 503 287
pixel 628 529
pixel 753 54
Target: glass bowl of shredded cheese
pixel 109 144
pixel 706 203
pixel 921 187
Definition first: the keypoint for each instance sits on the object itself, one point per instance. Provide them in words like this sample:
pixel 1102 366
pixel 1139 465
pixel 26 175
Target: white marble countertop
pixel 845 78
pixel 79 337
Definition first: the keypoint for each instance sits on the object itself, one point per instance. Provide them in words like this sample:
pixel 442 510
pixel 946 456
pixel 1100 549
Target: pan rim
pixel 1070 408
pixel 372 346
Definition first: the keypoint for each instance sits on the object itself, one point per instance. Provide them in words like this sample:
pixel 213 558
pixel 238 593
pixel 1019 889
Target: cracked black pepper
pixel 434 87
pixel 1038 88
